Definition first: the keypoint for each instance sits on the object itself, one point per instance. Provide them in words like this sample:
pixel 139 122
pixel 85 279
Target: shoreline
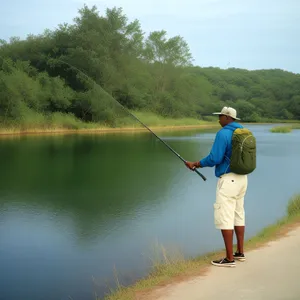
pixel 173 270
pixel 6 132
pixel 260 271
pixel 101 130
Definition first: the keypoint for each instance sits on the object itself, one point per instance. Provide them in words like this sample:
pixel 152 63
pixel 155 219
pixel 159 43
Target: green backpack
pixel 243 157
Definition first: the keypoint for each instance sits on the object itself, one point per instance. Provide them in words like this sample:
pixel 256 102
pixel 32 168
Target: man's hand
pixel 192 165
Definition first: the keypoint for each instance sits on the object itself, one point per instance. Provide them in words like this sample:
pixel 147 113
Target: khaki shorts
pixel 229 206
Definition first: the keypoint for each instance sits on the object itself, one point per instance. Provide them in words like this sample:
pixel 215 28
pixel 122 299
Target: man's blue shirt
pixel 220 153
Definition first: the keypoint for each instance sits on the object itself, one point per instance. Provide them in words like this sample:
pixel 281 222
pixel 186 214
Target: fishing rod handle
pixel 201 175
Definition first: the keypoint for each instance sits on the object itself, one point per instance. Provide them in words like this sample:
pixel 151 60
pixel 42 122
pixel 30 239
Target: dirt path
pixel 271 272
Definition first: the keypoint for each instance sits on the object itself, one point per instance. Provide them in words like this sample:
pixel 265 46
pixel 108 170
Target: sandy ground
pixel 270 272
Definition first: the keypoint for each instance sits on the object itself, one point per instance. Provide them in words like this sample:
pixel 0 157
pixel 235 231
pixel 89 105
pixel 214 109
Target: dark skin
pixel 239 230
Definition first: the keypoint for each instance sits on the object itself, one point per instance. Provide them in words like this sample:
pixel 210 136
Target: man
pixel 229 211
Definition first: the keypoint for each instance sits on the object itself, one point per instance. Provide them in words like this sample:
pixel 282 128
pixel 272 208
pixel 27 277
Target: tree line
pixel 39 76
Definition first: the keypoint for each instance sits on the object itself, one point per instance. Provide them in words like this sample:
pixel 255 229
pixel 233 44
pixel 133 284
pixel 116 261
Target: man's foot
pixel 224 262
pixel 239 256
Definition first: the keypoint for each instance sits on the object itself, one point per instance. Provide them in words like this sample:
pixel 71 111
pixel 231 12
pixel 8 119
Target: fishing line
pixel 132 115
pixel 126 110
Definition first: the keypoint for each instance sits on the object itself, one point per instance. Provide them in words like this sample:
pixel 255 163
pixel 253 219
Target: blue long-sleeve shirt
pixel 220 153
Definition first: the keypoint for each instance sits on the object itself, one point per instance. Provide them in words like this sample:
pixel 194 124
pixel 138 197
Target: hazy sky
pixel 248 34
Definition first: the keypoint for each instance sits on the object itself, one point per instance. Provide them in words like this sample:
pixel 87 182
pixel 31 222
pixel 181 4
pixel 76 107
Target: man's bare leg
pixel 240 233
pixel 228 240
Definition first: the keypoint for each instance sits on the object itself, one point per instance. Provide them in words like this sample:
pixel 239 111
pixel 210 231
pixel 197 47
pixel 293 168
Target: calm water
pixel 74 208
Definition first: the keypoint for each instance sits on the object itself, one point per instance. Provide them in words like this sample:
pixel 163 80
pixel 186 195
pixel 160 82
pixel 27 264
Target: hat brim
pixel 219 113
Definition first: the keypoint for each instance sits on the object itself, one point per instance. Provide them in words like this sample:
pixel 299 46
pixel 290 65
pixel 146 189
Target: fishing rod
pixel 135 117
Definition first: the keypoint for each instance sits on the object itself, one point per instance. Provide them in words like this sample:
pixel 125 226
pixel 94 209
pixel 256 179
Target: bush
pixel 66 121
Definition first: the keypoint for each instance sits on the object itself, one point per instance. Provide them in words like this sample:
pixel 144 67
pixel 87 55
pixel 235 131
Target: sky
pixel 250 34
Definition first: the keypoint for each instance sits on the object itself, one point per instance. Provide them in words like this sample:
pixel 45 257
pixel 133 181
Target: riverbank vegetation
pixel 174 266
pixel 281 129
pixel 285 129
pixel 41 87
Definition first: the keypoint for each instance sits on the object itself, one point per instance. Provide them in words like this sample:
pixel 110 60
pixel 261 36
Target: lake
pixel 78 210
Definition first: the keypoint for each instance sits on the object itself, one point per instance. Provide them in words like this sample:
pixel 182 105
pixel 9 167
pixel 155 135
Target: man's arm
pixel 215 156
pixel 217 152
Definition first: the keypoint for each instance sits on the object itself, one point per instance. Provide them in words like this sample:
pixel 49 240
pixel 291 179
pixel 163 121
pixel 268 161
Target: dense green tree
pixel 79 68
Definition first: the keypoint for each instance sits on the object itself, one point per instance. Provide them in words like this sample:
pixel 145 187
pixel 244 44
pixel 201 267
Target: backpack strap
pixel 228 160
pixel 226 157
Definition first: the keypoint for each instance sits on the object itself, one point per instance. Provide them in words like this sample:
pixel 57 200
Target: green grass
pixel 285 129
pixel 153 119
pixel 168 266
pixel 37 122
pixel 67 121
pixel 293 208
pixel 275 230
pixel 32 121
pixel 296 126
pixel 281 129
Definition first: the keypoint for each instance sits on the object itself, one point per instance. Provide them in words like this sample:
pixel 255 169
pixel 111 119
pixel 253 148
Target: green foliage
pixel 160 50
pixel 151 73
pixel 285 129
pixel 59 120
pixel 279 129
pixel 294 206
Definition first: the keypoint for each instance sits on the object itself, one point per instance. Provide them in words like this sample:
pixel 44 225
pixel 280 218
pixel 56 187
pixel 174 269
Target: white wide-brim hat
pixel 228 111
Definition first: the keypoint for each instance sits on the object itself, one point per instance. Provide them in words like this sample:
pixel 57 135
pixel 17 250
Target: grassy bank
pixel 58 122
pixel 285 129
pixel 68 123
pixel 173 267
pixel 281 129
